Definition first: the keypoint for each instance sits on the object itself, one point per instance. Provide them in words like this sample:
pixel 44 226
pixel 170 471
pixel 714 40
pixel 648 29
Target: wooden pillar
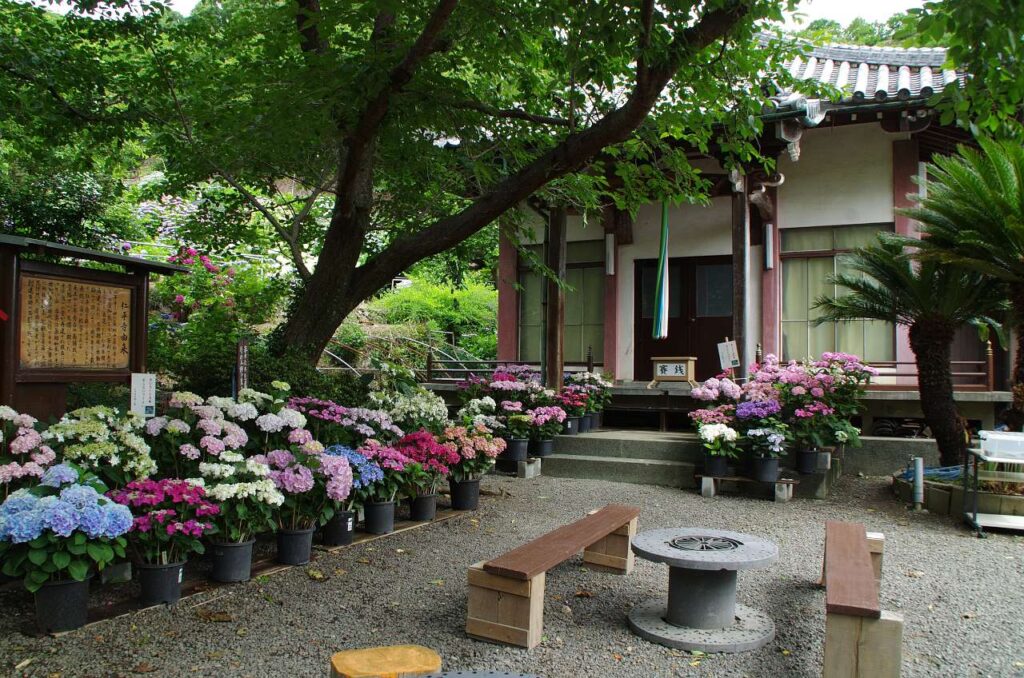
pixel 554 313
pixel 508 299
pixel 740 252
pixel 8 340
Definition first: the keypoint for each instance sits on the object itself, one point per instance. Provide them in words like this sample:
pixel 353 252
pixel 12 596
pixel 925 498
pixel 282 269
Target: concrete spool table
pixel 702 612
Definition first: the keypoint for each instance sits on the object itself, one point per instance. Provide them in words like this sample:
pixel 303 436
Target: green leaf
pixel 37 556
pixel 78 569
pixel 61 560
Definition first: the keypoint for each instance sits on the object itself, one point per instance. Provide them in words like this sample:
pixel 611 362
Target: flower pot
pixel 379 517
pixel 585 423
pixel 62 605
pixel 593 421
pixel 812 461
pixel 542 448
pixel 571 426
pixel 116 573
pixel 423 507
pixel 465 494
pixel 764 469
pixel 232 561
pixel 338 530
pixel 161 584
pixel 515 449
pixel 715 465
pixel 294 546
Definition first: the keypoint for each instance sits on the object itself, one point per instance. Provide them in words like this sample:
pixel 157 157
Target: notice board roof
pixel 61 250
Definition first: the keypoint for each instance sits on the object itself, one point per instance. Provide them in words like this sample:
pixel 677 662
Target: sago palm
pixel 973 215
pixel 933 300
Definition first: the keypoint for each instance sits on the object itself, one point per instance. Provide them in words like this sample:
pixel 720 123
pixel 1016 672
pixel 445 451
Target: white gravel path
pixel 962 598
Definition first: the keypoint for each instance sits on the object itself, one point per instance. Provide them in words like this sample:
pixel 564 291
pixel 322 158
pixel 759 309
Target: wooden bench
pixel 783 486
pixel 861 640
pixel 506 595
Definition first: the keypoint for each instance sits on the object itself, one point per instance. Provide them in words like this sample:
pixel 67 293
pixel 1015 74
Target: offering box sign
pixel 74 325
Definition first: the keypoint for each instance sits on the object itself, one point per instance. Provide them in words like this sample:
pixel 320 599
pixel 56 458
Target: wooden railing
pixel 968 375
pixel 454 371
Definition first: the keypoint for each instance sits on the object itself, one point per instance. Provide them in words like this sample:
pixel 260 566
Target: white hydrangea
pixel 292 418
pixel 256 468
pixel 281 386
pixel 269 423
pixel 215 470
pixel 242 411
pixel 220 402
pixel 229 457
pixel 248 395
pixel 7 413
pixel 184 398
pixel 712 432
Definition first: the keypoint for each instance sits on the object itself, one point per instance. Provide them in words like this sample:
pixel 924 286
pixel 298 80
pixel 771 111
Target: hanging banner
pixel 660 329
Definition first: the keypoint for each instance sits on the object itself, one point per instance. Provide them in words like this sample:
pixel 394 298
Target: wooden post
pixel 876 547
pixel 430 366
pixel 555 312
pixel 613 551
pixel 990 370
pixel 503 609
pixel 862 647
pixel 740 251
pixel 590 358
pixel 8 328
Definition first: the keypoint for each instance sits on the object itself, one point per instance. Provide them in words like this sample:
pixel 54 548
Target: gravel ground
pixel 961 597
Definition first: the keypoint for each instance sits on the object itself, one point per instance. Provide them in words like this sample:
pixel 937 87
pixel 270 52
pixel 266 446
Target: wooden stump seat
pixel 506 595
pixel 861 640
pixel 393 661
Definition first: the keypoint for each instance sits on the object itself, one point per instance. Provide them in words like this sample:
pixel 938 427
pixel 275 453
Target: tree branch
pixel 52 91
pixel 307 19
pixel 511 113
pixel 569 155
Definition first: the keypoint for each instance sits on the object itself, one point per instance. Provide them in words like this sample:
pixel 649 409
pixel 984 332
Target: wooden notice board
pixel 69 324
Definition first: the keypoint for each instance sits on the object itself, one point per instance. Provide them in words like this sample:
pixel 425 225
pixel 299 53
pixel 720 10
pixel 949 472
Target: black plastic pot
pixel 423 507
pixel 231 561
pixel 542 448
pixel 339 529
pixel 515 449
pixel 716 465
pixel 592 420
pixel 585 423
pixel 294 546
pixel 379 517
pixel 807 461
pixel 161 584
pixel 764 469
pixel 62 605
pixel 465 494
pixel 571 426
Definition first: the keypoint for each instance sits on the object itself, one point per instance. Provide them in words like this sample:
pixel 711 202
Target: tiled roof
pixel 876 74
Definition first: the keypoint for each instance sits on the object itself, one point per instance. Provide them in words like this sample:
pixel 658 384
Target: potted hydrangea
pixel 379 505
pixel 574 402
pixel 482 411
pixel 247 498
pixel 24 456
pixel 103 441
pixel 477 448
pixel 545 424
pixel 720 445
pixel 516 431
pixel 339 529
pixel 55 536
pixel 766 445
pixel 335 424
pixel 431 462
pixel 598 390
pixel 191 431
pixel 171 518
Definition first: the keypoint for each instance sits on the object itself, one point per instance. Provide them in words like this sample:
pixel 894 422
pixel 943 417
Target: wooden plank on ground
pixel 850 587
pixel 543 553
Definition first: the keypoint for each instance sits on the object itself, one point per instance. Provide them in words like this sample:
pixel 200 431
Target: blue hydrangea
pixel 119 520
pixel 93 521
pixel 18 501
pixel 364 471
pixel 26 526
pixel 80 496
pixel 59 475
pixel 59 516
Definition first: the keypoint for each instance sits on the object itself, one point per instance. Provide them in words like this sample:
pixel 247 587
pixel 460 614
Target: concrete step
pixel 670 473
pixel 623 445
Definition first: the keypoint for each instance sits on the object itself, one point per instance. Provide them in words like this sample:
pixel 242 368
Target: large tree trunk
pixel 931 341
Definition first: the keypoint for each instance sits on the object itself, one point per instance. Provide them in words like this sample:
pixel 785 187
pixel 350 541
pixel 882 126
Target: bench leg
pixel 707 487
pixel 505 610
pixel 876 547
pixel 861 647
pixel 613 551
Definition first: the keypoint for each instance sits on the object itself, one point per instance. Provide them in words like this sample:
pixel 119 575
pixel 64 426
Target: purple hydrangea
pixel 59 475
pixel 757 409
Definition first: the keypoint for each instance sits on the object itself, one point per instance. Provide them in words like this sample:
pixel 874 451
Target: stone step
pixel 623 446
pixel 670 473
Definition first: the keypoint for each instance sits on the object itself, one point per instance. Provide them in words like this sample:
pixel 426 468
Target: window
pixel 809 256
pixel 584 304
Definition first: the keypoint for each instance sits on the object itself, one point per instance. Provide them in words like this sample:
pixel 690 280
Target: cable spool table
pixel 702 612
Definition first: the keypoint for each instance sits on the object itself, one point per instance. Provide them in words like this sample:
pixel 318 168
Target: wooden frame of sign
pixel 673 369
pixel 68 324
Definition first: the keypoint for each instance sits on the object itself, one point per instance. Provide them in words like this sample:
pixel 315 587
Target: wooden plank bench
pixel 783 486
pixel 861 640
pixel 506 595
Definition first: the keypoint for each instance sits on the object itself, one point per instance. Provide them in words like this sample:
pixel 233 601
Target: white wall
pixel 694 231
pixel 844 176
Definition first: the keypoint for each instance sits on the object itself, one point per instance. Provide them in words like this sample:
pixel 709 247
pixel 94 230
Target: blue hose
pixel 936 473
